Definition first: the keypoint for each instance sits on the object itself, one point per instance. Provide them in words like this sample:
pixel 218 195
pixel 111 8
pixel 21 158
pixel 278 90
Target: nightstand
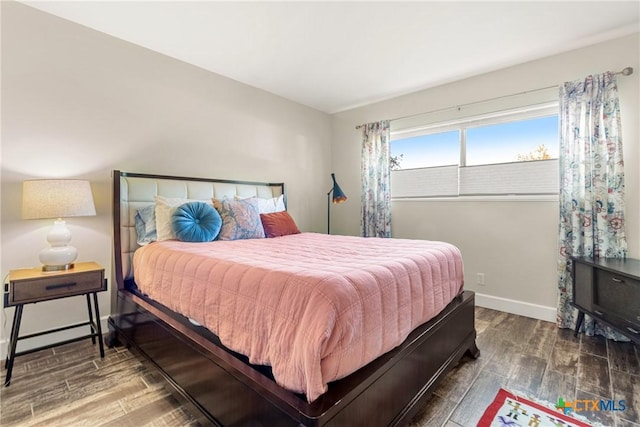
pixel 608 289
pixel 29 286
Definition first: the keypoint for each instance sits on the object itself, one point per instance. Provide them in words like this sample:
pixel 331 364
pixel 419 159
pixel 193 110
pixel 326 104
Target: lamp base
pixel 57 267
pixel 56 258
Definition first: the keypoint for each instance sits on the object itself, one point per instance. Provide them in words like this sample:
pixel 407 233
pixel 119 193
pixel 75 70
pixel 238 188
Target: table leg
pixel 98 326
pixel 13 328
pixel 91 330
pixel 579 321
pixel 15 331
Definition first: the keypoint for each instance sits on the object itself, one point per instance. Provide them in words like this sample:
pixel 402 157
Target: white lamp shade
pixel 56 198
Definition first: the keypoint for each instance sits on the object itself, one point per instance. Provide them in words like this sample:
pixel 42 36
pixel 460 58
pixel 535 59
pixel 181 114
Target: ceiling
pixel 334 56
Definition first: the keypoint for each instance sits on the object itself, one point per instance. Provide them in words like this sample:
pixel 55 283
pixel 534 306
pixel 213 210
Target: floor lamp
pixel 338 197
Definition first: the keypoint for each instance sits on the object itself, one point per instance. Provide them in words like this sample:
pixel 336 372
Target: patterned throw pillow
pixel 145 221
pixel 274 204
pixel 240 219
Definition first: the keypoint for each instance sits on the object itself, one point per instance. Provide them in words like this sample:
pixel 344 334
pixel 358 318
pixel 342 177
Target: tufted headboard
pixel 132 191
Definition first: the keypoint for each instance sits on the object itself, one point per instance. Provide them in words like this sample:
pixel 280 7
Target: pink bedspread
pixel 312 306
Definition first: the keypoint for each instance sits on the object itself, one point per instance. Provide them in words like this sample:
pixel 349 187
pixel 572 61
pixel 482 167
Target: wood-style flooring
pixel 72 386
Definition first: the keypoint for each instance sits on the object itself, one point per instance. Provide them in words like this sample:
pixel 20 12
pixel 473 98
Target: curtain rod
pixel 627 71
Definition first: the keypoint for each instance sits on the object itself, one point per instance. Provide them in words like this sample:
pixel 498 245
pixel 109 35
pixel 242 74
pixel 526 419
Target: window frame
pixel 461 124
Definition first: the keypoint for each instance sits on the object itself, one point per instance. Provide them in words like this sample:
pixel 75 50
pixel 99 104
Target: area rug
pixel 508 409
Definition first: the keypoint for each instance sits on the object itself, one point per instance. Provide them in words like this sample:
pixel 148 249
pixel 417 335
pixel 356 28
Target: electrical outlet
pixel 480 279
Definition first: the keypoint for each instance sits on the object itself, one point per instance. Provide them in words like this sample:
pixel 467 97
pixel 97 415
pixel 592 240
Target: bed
pixel 233 379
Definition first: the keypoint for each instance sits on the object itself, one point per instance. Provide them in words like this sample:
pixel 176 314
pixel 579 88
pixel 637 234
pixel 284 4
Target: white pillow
pixel 165 207
pixel 275 204
pixel 265 206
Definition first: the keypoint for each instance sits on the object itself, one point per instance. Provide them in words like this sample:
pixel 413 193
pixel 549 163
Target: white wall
pixel 513 242
pixel 78 103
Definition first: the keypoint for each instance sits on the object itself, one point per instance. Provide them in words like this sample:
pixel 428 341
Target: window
pixel 520 140
pixel 509 152
pixel 428 150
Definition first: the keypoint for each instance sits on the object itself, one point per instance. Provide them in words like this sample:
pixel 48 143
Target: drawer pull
pixel 632 330
pixel 615 279
pixel 62 285
pixel 599 313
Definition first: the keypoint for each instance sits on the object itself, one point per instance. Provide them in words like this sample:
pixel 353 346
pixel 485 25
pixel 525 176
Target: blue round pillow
pixel 196 222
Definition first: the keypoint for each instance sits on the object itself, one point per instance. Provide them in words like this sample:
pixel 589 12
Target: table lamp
pixel 57 198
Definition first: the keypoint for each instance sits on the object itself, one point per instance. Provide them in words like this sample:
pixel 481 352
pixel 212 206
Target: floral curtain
pixel 591 184
pixel 376 191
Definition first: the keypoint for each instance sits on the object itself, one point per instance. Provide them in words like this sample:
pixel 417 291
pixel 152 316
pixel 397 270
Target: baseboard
pixel 48 339
pixel 521 308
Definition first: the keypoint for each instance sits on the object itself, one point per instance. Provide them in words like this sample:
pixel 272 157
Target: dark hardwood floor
pixel 72 386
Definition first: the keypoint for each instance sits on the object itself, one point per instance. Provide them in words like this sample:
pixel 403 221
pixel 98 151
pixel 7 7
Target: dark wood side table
pixel 29 286
pixel 608 289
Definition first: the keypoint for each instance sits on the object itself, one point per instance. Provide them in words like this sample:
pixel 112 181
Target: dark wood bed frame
pixel 229 391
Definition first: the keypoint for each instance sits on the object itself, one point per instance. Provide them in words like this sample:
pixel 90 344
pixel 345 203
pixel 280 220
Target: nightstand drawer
pixel 45 288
